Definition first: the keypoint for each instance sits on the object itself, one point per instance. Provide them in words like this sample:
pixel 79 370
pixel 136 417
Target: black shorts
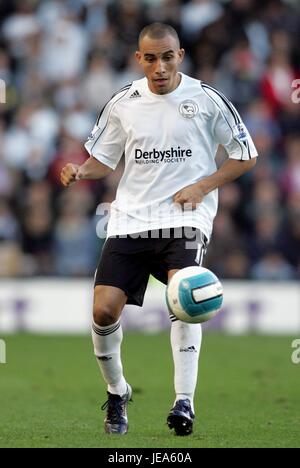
pixel 127 262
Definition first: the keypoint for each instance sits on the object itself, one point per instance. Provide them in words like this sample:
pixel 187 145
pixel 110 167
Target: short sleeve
pixel 107 141
pixel 228 127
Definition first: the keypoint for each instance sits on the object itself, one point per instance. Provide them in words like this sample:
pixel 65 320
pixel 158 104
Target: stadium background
pixel 61 61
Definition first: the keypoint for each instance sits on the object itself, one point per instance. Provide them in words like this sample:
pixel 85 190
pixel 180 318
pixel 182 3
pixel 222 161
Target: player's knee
pixel 105 314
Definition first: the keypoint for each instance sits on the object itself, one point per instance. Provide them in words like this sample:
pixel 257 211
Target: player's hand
pixel 70 174
pixel 190 196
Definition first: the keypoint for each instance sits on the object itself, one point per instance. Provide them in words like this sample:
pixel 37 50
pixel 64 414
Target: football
pixel 194 294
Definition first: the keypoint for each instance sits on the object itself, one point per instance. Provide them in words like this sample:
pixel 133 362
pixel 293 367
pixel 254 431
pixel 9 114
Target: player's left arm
pixel 230 170
pixel 229 131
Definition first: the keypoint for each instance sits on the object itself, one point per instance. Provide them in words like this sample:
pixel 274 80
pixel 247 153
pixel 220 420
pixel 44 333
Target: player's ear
pixel 181 54
pixel 138 56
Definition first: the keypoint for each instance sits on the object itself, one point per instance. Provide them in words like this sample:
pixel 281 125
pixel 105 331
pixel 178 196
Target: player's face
pixel 160 59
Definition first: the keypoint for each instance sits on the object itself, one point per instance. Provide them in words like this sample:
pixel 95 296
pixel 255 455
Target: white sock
pixel 186 344
pixel 107 348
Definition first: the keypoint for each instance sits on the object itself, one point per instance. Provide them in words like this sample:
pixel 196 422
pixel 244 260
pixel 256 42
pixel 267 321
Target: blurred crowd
pixel 61 62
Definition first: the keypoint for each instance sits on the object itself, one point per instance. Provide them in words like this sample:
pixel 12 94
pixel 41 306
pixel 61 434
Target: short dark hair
pixel 158 31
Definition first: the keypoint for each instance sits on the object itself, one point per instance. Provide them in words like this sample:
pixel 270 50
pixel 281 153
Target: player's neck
pixel 177 82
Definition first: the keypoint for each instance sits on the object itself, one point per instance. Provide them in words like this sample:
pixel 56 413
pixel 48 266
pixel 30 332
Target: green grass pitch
pixel 248 393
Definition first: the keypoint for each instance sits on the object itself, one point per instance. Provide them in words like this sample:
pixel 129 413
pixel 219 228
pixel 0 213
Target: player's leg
pixel 107 335
pixel 178 252
pixel 186 344
pixel 107 338
pixel 121 278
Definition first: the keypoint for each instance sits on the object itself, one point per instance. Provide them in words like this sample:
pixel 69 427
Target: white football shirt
pixel 170 141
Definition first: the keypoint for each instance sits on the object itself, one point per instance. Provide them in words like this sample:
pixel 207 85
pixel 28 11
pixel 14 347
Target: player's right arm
pixel 105 145
pixel 91 169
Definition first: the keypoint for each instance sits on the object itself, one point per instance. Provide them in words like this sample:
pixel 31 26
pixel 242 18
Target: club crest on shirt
pixel 188 109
